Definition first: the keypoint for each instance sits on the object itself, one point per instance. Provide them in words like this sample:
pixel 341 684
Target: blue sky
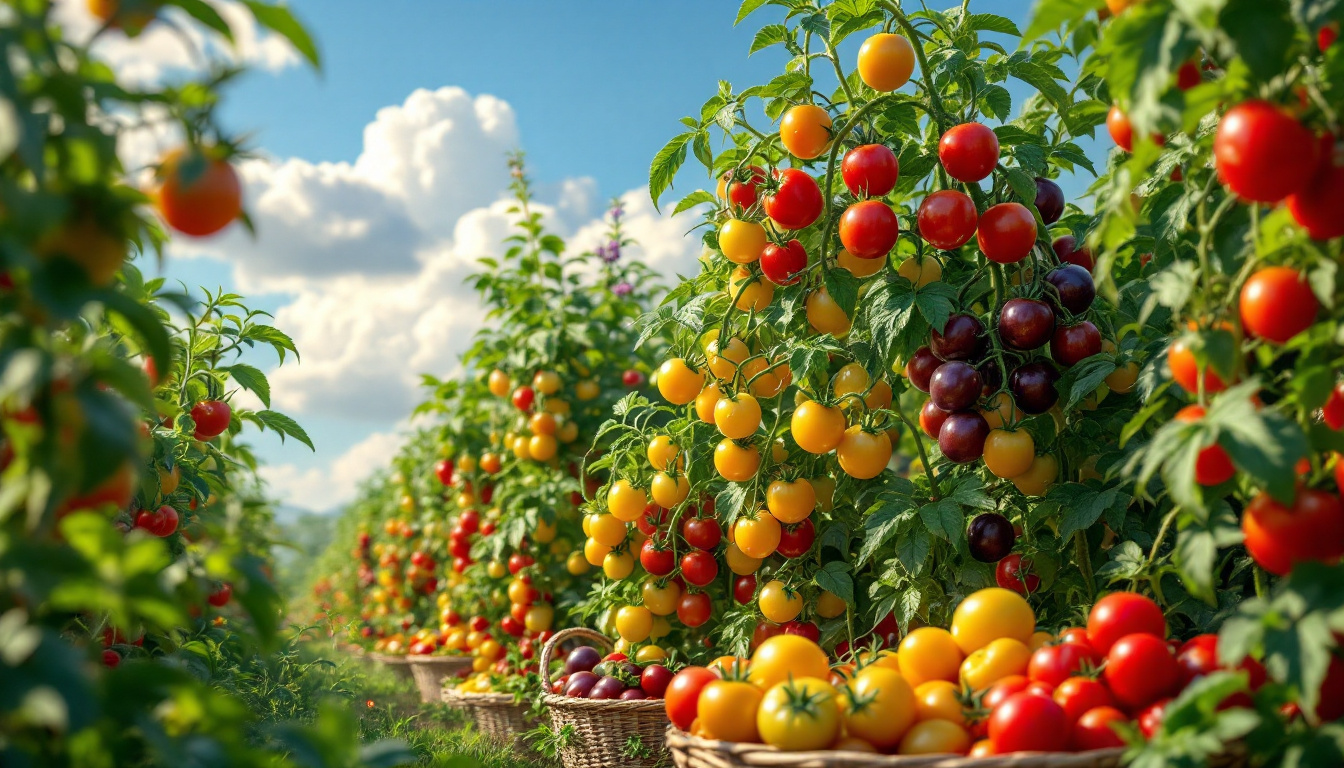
pixel 596 87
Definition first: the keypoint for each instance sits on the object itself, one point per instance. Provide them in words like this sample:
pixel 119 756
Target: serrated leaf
pixel 279 20
pixel 834 577
pixel 747 8
pixel 843 287
pixel 251 379
pixel 286 426
pixel 1050 15
pixel 988 22
pixel 936 302
pixel 666 164
pixel 770 34
pixel 944 519
pixel 688 202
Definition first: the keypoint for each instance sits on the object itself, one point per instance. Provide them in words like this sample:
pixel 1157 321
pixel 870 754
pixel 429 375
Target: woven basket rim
pixel 446 661
pixel 484 699
pixel 679 738
pixel 556 700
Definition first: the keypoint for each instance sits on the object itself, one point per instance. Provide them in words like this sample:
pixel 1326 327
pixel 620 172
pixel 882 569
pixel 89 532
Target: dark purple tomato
pixel 606 688
pixel 582 659
pixel 991 376
pixel 1049 200
pixel 931 419
pixel 963 338
pixel 990 537
pixel 633 694
pixel 655 680
pixel 580 683
pixel 1026 324
pixel 1075 287
pixel 962 436
pixel 1073 344
pixel 1068 250
pixel 631 669
pixel 955 386
pixel 1033 387
pixel 921 367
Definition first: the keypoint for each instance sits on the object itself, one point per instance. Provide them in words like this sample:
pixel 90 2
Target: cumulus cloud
pixel 163 50
pixel 374 256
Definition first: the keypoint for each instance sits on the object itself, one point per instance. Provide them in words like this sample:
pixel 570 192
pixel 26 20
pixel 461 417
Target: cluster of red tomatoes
pixel 587 674
pixel 990 684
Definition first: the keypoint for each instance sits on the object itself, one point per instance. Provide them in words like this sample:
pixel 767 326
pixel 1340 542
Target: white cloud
pixel 374 257
pixel 324 489
pixel 161 51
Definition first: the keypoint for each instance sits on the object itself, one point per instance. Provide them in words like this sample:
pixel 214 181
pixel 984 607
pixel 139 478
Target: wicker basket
pixel 497 715
pixel 603 728
pixel 429 672
pixel 398 664
pixel 693 752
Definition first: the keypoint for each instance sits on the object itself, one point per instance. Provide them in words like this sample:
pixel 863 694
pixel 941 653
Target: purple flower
pixel 611 252
pixel 617 210
pixel 622 288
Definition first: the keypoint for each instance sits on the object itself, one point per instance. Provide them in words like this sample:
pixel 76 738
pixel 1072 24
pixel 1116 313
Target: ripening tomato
pixel 795 200
pixel 817 428
pixel 800 714
pixel 1140 669
pixel 1185 369
pixel 1009 454
pixel 783 264
pixel 886 62
pixel 738 186
pixel 969 152
pixel 863 454
pixel 1006 233
pixel 870 170
pixel 948 219
pixel 934 737
pixel 1262 153
pixel 869 229
pixel 780 603
pixel 791 501
pixel 1276 304
pixel 1118 125
pixel 1213 466
pixel 1315 207
pixel 198 194
pixel 683 694
pixel 1279 537
pixel 660 600
pixel 990 614
pixel 757 534
pixel 880 708
pixel 678 382
pixel 1123 613
pixel 805 131
pixel 723 710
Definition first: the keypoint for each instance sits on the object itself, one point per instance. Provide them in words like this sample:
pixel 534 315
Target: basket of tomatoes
pixel 989 691
pixel 399 665
pixel 613 704
pixel 430 672
pixel 500 716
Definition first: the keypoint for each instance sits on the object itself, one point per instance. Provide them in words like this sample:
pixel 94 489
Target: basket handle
pixel 548 649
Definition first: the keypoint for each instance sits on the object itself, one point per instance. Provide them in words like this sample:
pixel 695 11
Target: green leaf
pixel 988 22
pixel 1050 15
pixel 666 164
pixel 771 34
pixel 944 519
pixel 913 549
pixel 834 578
pixel 843 287
pixel 1262 442
pixel 936 303
pixel 207 15
pixel 1023 184
pixel 747 8
pixel 278 19
pixel 286 426
pixel 153 335
pixel 267 334
pixel 1263 33
pixel 880 526
pixel 698 197
pixel 996 102
pixel 1083 379
pixel 251 379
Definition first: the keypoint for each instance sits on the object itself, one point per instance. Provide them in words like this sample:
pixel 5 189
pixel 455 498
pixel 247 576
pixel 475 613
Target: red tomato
pixel 1333 411
pixel 1330 706
pixel 211 418
pixel 694 608
pixel 1150 718
pixel 523 397
pixel 1117 124
pixel 744 589
pixel 1140 669
pixel 1185 370
pixel 1277 304
pixel 1093 730
pixel 111 659
pixel 1079 694
pixel 1006 233
pixel 200 195
pixel 784 264
pixel 969 152
pixel 220 597
pixel 1316 206
pixel 947 219
pixel 683 693
pixel 1028 722
pixel 741 193
pixel 1123 613
pixel 161 522
pixel 796 540
pixel 1262 153
pixel 1008 573
pixel 870 170
pixel 702 532
pixel 657 561
pixel 1213 466
pixel 699 567
pixel 1056 663
pixel 1279 536
pixel 655 680
pixel 868 229
pixel 795 202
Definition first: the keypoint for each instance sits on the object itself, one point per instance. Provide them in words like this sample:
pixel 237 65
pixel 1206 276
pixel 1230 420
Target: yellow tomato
pixel 607 531
pixel 500 386
pixel 1038 479
pixel 749 293
pixel 741 241
pixel 779 603
pixel 929 653
pixel 799 715
pixel 999 659
pixel 783 656
pixel 737 417
pixel 935 737
pixel 595 551
pixel 886 62
pixel 860 268
pixel 757 534
pixel 650 653
pixel 662 452
pixel 817 428
pixel 825 315
pixel 679 383
pixel 830 605
pixel 739 563
pixel 921 273
pixel 577 564
pixel 880 708
pixel 990 614
pixel 939 700
pixel 1039 640
pixel 1009 454
pixel 725 359
pixel 587 390
pixel 618 565
pixel 669 491
pixel 863 455
pixel 626 502
pixel 634 622
pixel 726 710
pixel 805 131
pixel 539 618
pixel 661 601
pixel 791 501
pixel 736 463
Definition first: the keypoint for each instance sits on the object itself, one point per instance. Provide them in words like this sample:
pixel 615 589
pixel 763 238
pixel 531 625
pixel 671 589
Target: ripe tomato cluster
pixel 587 674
